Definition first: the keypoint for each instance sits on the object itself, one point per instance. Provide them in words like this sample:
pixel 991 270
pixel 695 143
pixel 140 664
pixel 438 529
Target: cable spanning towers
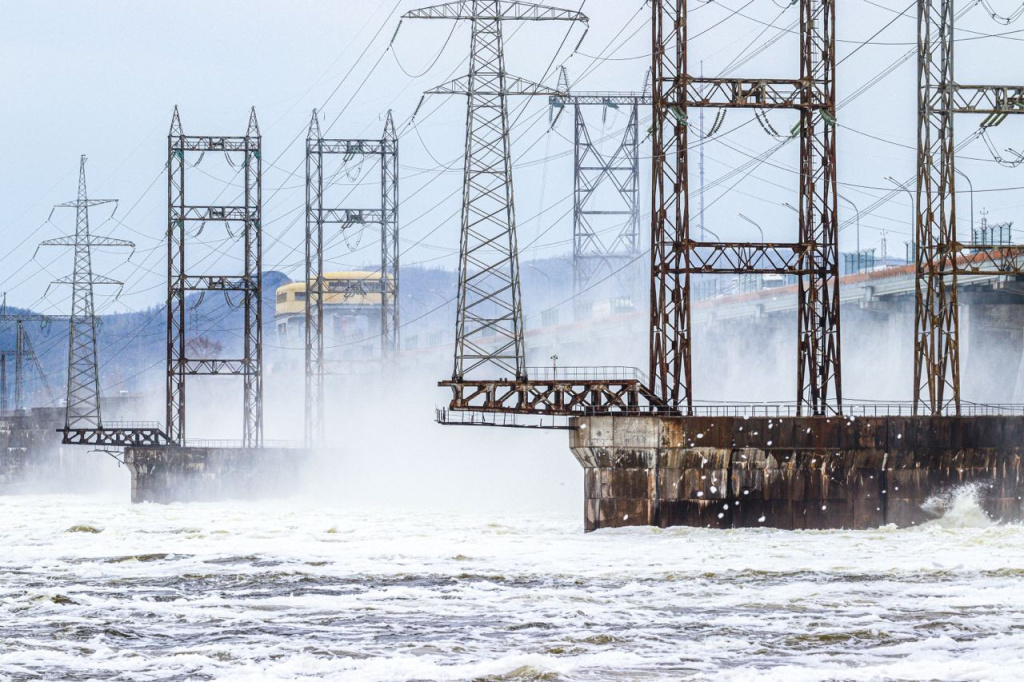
pixel 83 396
pixel 318 216
pixel 489 330
pixel 675 255
pixel 939 252
pixel 606 190
pixel 181 214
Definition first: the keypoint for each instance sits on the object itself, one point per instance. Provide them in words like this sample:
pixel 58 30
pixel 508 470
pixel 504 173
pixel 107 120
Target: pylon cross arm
pixel 94 279
pixel 503 10
pixel 86 203
pixel 989 99
pixel 59 241
pixel 514 85
pixel 110 241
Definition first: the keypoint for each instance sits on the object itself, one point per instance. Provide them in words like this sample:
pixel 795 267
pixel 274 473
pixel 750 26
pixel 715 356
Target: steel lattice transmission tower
pixel 249 284
pixel 675 255
pixel 318 216
pixel 489 328
pixel 83 395
pixel 606 190
pixel 939 252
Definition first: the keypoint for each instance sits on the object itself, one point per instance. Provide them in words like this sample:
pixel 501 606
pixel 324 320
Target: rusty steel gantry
pixel 83 422
pixel 180 282
pixel 939 252
pixel 317 216
pixel 490 372
pixel 595 256
pixel 813 258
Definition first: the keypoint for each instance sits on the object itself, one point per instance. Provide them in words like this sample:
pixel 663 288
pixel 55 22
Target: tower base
pixel 793 472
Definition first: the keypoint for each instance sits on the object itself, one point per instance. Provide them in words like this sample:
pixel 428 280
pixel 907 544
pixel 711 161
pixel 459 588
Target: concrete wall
pixel 175 474
pixel 729 472
pixel 32 458
pixel 30 451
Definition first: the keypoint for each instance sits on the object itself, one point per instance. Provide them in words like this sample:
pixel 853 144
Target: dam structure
pixel 652 449
pixel 742 471
pixel 652 453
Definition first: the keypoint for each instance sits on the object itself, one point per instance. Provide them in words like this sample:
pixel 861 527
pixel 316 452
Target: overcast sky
pixel 101 78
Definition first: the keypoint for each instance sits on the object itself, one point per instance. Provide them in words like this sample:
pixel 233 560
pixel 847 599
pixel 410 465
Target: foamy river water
pixel 279 591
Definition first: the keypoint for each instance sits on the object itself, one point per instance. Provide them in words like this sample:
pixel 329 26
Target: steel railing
pixel 442 415
pixel 883 409
pixel 593 373
pixel 132 426
pixel 237 444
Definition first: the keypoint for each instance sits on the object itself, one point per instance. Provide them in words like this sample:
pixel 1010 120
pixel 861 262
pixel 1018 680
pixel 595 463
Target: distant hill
pixel 133 346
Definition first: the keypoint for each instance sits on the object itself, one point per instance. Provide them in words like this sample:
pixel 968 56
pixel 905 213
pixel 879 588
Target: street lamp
pixel 546 278
pixel 857 210
pixel 754 224
pixel 758 281
pixel 913 210
pixel 971 185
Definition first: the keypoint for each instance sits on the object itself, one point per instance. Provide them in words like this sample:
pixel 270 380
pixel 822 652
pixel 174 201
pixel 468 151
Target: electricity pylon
pixel 489 328
pixel 83 408
pixel 317 217
pixel 813 258
pixel 606 190
pixel 183 277
pixel 939 253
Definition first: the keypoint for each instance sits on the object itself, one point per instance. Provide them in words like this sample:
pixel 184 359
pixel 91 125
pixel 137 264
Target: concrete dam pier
pixel 792 472
pixel 168 474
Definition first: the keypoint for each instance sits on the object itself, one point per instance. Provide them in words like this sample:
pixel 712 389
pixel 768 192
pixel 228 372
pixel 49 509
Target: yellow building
pixel 352 311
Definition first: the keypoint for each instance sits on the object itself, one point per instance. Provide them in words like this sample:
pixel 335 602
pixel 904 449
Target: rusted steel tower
pixel 180 282
pixel 317 216
pixel 606 236
pixel 939 252
pixel 83 395
pixel 813 258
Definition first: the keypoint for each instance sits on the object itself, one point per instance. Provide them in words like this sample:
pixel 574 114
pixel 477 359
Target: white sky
pixel 101 78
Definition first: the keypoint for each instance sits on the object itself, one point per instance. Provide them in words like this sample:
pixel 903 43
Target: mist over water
pixel 415 552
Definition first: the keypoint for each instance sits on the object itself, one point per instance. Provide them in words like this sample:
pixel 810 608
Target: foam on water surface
pixel 284 591
pixel 959 508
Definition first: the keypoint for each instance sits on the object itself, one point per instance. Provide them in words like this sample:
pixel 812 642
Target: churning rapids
pixel 100 589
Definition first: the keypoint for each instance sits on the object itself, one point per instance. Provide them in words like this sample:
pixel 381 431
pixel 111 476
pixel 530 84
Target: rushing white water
pixel 281 591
